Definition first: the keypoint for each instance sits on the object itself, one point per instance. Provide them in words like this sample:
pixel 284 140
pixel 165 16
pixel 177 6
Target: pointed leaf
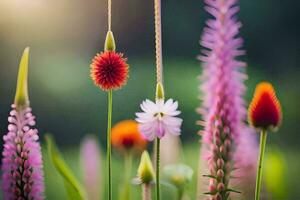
pixel 210 176
pixel 74 190
pixel 232 190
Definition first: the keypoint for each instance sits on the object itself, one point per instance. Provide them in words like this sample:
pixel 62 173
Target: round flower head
pixel 159 118
pixel 264 110
pixel 126 136
pixel 109 70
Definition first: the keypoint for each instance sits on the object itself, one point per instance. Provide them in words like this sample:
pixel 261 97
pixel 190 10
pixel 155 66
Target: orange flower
pixel 126 136
pixel 264 111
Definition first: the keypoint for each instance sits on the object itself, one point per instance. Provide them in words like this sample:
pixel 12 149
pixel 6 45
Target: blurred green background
pixel 64 35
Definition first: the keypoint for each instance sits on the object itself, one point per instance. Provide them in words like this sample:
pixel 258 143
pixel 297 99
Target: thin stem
pixel 128 167
pixel 109 14
pixel 146 192
pixel 158 40
pixel 109 119
pixel 157 169
pixel 263 140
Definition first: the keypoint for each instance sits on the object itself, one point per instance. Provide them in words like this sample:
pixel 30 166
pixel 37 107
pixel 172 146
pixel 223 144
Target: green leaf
pixel 74 189
pixel 210 176
pixel 232 190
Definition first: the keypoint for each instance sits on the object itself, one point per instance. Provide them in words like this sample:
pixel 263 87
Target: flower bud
pixel 220 163
pixel 110 44
pixel 21 97
pixel 221 187
pixel 145 170
pixel 160 94
pixel 265 111
pixel 220 173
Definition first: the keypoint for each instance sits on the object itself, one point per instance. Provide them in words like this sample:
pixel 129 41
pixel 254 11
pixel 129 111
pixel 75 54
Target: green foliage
pixel 74 190
pixel 179 175
pixel 275 174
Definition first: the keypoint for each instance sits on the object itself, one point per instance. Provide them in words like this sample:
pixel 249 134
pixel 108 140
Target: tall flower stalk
pixel 265 115
pixel 158 118
pixel 159 78
pixel 109 71
pixel 108 150
pixel 22 166
pixel 223 108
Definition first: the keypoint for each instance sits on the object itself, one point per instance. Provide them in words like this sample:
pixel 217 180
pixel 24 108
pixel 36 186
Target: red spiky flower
pixel 109 70
pixel 265 110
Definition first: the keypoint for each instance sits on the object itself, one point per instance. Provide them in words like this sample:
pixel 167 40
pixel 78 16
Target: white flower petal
pixel 174 106
pixel 160 105
pixel 144 117
pixel 174 113
pixel 169 103
pixel 148 130
pixel 172 121
pixel 152 125
pixel 148 106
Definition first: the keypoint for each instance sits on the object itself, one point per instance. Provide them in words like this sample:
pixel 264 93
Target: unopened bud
pixel 110 44
pixel 145 170
pixel 221 187
pixel 220 173
pixel 21 97
pixel 160 94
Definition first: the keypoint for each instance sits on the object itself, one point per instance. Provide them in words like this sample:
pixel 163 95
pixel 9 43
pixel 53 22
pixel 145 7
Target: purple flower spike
pixel 22 176
pixel 223 108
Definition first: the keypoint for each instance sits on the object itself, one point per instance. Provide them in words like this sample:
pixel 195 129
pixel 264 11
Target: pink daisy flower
pixel 159 118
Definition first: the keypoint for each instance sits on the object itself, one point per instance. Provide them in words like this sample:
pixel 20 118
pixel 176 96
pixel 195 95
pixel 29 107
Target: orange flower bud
pixel 264 111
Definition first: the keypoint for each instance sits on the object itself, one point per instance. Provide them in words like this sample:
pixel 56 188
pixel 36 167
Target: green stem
pixel 128 167
pixel 180 193
pixel 263 140
pixel 109 119
pixel 157 169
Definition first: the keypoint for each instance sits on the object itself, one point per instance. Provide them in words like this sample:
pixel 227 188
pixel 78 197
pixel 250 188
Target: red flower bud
pixel 265 110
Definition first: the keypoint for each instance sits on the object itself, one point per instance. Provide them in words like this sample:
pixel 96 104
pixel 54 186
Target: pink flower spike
pixel 223 108
pixel 159 118
pixel 22 169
